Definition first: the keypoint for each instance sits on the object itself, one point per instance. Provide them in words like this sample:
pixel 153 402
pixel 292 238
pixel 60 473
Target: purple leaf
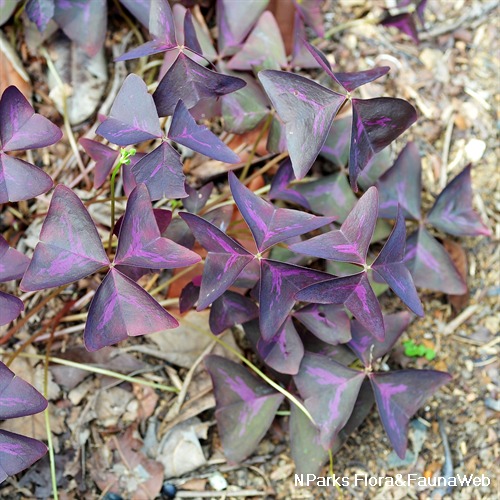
pixel 330 391
pixel 271 225
pixel 187 132
pixel 375 168
pixel 197 198
pixel 399 395
pixel 40 12
pixel 368 349
pixel 245 407
pixel 279 282
pixel 301 57
pixel 431 266
pixel 307 109
pixel 404 23
pixel 104 158
pixel 20 127
pixel 349 243
pixel 188 297
pixel 17 397
pixel 375 124
pixel 355 293
pixel 13 263
pixel 129 181
pixel 336 147
pixel 20 180
pixel 310 11
pixel 279 186
pixel 225 260
pixel 402 184
pixel 328 322
pixel 351 81
pixel 18 453
pixel 121 309
pixel 10 308
pixel 284 351
pixel 452 211
pixel 161 171
pixel 321 59
pixel 161 23
pixel 84 22
pixel 70 247
pixel 140 10
pixel 190 38
pixel 140 243
pixel 189 82
pixel 133 117
pixel 235 20
pixel 231 309
pixel 389 265
pixel 263 49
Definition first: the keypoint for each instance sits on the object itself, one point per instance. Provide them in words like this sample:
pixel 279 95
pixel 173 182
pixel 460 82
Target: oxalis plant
pixel 305 291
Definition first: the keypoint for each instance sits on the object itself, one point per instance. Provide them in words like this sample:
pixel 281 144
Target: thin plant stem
pixel 167 283
pixel 332 474
pixel 100 371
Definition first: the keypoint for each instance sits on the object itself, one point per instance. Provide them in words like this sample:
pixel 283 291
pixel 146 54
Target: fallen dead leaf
pixel 459 258
pixel 11 69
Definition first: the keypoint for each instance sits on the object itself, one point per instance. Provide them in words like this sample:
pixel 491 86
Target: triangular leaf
pixel 351 81
pixel 329 390
pixel 271 225
pixel 301 57
pixel 452 211
pixel 245 407
pixel 10 308
pixel 310 11
pixel 161 23
pixel 197 198
pixel 187 132
pixel 133 117
pixel 367 348
pixel 121 308
pixel 161 171
pixel 231 309
pixel 375 124
pixel 355 293
pixel 431 266
pixel 399 395
pixel 225 260
pixel 279 282
pixel 390 266
pixel 307 109
pixel 189 82
pixel 404 23
pixel 13 263
pixel 279 186
pixel 349 243
pixel 140 243
pixel 20 127
pixel 104 158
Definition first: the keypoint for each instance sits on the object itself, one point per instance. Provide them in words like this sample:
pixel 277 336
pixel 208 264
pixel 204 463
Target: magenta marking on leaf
pixel 231 309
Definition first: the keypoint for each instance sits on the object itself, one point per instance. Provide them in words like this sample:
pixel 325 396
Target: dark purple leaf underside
pixel 161 171
pixel 350 243
pixel 375 124
pixel 121 308
pixel 329 390
pixel 197 198
pixel 70 247
pixel 390 266
pixel 104 158
pixel 399 395
pixel 20 127
pixel 404 23
pixel 140 243
pixel 355 293
pixel 279 186
pixel 351 81
pixel 133 117
pixel 225 260
pixel 328 322
pixel 431 266
pixel 18 453
pixel 40 12
pixel 17 397
pixel 187 132
pixel 307 109
pixel 10 308
pixel 190 38
pixel 263 49
pixel 284 351
pixel 84 22
pixel 367 348
pixel 402 184
pixel 231 309
pixel 245 407
pixel 189 82
pixel 452 211
pixel 279 283
pixel 188 297
pixel 271 225
pixel 13 263
pixel 310 11
pixel 20 180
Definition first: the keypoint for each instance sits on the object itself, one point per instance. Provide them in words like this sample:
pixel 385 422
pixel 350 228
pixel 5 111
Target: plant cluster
pixel 323 357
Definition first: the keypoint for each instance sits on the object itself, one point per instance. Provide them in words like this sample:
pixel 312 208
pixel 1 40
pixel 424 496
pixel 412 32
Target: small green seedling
pixel 413 350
